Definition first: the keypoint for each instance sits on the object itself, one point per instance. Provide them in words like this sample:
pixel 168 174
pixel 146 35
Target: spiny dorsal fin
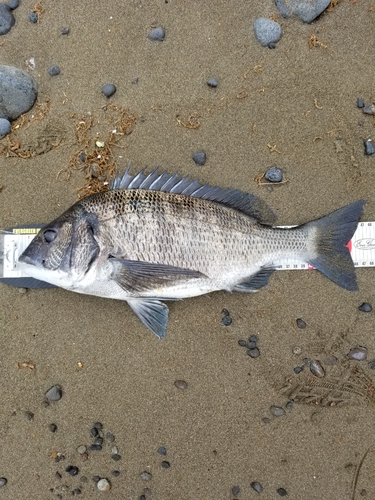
pixel 234 198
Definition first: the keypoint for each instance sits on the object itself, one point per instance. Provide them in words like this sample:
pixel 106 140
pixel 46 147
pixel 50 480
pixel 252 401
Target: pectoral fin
pixel 137 276
pixel 152 313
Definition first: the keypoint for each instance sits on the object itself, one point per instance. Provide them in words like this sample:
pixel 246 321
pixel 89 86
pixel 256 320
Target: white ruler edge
pixel 361 246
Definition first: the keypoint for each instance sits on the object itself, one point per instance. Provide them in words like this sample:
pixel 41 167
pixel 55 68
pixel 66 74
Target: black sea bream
pixel 159 237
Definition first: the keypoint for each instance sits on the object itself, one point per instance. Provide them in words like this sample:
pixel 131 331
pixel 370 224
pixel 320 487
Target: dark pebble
pixel 200 157
pixel 146 476
pixel 165 464
pixel 369 147
pixel 142 497
pixel 58 475
pixel 289 405
pixel 181 384
pixel 242 343
pixel 358 353
pixel 33 17
pixel 257 486
pixel 300 323
pixel 372 365
pixel 5 126
pixel 6 19
pixel 3 481
pixel 52 427
pixel 254 353
pixel 98 425
pixel 266 420
pixel 29 415
pixel 110 437
pixel 65 31
pixel 77 491
pixel 95 447
pixel 72 470
pixel 13 4
pixel 96 479
pixel 251 345
pixel 98 441
pixel 317 369
pixel 365 307
pixel 298 369
pixel 369 109
pixel 277 411
pixel 227 320
pixel 360 102
pixel 225 312
pixel 115 473
pixel 116 457
pixel 274 174
pixel 94 432
pixel 108 89
pixel 162 450
pixel 156 35
pixel 236 491
pixel 82 157
pixel 282 492
pixel 54 394
pixel 212 82
pixel 253 338
pixel 54 70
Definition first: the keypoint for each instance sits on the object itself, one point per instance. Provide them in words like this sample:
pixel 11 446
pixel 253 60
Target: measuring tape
pixel 15 240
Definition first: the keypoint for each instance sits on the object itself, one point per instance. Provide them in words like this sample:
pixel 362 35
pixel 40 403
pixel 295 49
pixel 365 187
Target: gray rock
pixel 200 157
pixel 13 4
pixel 108 89
pixel 54 394
pixel 267 31
pixel 6 19
pixel 306 10
pixel 156 35
pixel 4 127
pixel 273 174
pixel 18 92
pixel 369 147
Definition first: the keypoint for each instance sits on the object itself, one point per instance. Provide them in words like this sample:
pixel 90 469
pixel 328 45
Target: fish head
pixel 64 250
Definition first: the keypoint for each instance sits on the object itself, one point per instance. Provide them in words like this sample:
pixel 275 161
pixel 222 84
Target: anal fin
pixel 258 280
pixel 153 313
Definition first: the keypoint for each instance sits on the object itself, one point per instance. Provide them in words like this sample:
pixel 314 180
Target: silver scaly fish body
pixel 159 237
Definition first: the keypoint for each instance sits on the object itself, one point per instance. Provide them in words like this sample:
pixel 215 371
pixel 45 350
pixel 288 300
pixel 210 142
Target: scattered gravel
pixel 54 394
pixel 273 174
pixel 165 464
pixel 72 470
pixel 200 157
pixel 372 365
pixel 306 10
pixel 109 89
pixel 6 18
pixel 358 353
pixel 257 486
pixel 236 491
pixel 156 35
pixel 365 307
pixel 65 31
pixel 254 352
pixel 298 369
pixel 162 450
pixel 212 82
pixel 5 126
pixel 18 91
pixel 33 17
pixel 3 481
pixel 277 411
pixel 181 384
pixel 282 492
pixel 103 485
pixel 266 31
pixel 300 323
pixel 369 147
pixel 317 369
pixel 146 476
pixel 369 109
pixel 13 4
pixel 360 102
pixel 81 449
pixel 52 427
pixel 54 70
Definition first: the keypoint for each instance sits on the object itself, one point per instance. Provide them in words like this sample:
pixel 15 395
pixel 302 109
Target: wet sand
pixel 294 107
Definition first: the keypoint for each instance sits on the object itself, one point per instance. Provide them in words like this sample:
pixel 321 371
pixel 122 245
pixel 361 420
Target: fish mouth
pixel 25 259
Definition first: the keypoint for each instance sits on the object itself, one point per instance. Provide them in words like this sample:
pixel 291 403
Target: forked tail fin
pixel 333 232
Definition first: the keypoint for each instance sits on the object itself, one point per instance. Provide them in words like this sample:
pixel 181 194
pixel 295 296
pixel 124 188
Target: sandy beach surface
pixel 294 107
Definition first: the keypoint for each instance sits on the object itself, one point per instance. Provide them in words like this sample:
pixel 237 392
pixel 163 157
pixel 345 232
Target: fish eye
pixel 49 235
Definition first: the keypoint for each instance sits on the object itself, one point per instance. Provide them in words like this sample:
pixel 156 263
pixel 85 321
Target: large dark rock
pixel 18 92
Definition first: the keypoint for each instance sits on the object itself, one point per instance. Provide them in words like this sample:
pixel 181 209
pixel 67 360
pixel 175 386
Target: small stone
pixel 297 350
pixel 162 450
pixel 58 475
pixel 317 369
pixel 273 174
pixel 116 457
pixel 54 70
pixel 115 473
pixel 266 420
pixel 94 432
pixel 297 369
pixel 13 4
pixel 227 320
pixel 5 127
pixel 369 109
pixel 236 491
pixel 181 384
pixel 33 17
pixel 306 10
pixel 300 323
pixel 200 157
pixel 251 345
pixel 103 485
pixel 242 343
pixel 95 447
pixel 108 89
pixel 277 411
pixel 372 365
pixel 257 486
pixel 96 479
pixel 165 464
pixel 52 427
pixel 17 90
pixel 358 353
pixel 330 360
pixel 54 394
pixel 81 449
pixel 254 353
pixel 6 18
pixel 146 476
pixel 365 307
pixel 156 35
pixel 114 449
pixel 65 31
pixel 110 437
pixel 72 470
pixel 282 492
pixel 267 32
pixel 289 405
pixel 360 102
pixel 98 441
pixel 212 82
pixel 369 147
pixel 29 415
pixel 21 289
pixel 76 491
pixel 253 338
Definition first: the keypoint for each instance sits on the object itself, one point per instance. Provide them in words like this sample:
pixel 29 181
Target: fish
pixel 157 237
